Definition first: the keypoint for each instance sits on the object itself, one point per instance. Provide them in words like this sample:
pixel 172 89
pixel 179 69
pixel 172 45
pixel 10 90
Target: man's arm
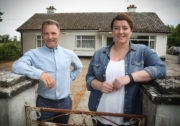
pixel 76 63
pixel 24 66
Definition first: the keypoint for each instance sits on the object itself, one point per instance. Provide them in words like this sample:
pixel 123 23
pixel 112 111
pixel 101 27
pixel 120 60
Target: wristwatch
pixel 131 78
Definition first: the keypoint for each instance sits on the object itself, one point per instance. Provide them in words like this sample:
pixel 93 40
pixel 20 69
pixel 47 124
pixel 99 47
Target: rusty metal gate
pixel 31 119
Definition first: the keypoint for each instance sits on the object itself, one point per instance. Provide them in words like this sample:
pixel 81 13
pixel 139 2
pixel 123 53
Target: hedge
pixel 9 51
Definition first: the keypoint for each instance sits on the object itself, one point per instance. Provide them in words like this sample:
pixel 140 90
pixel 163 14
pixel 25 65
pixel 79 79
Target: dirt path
pixel 6 65
pixel 78 87
pixel 80 95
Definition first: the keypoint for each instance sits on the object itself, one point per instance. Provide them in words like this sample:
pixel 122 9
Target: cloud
pixel 16 12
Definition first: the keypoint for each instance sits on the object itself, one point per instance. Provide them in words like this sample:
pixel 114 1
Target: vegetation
pixel 6 39
pixel 174 37
pixel 0 16
pixel 10 49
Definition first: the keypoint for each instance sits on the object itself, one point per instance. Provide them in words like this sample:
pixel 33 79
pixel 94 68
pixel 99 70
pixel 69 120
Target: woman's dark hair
pixel 125 17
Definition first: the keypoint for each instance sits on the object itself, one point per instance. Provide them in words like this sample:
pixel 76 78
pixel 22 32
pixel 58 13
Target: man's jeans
pixel 65 103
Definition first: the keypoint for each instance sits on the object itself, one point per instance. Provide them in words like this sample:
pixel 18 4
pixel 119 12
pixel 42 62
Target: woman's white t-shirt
pixel 113 102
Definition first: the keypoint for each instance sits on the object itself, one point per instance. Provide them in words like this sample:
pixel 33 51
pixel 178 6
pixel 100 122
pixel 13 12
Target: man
pixel 51 65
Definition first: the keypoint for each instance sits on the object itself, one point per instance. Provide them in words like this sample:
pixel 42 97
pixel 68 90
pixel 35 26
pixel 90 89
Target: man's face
pixel 51 34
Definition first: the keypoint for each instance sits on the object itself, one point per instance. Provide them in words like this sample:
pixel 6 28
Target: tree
pixel 6 38
pixel 174 37
pixel 15 39
pixel 9 51
pixel 0 16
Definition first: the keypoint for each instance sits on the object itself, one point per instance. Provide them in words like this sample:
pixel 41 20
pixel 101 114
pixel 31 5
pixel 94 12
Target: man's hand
pixel 47 80
pixel 121 81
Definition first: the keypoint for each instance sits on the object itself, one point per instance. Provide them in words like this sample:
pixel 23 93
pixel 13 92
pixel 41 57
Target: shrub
pixel 9 51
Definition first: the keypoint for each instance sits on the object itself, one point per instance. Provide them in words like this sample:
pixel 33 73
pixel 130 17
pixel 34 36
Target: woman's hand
pixel 106 87
pixel 47 80
pixel 121 81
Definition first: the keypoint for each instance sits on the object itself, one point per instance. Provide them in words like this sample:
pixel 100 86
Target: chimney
pixel 131 8
pixel 50 10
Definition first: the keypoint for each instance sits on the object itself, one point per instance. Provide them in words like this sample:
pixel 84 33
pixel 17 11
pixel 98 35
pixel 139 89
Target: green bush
pixel 9 51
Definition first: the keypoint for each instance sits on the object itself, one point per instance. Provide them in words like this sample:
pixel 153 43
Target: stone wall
pixel 161 102
pixel 16 91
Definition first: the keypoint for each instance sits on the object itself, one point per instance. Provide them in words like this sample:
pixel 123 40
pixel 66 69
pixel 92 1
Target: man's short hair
pixel 50 22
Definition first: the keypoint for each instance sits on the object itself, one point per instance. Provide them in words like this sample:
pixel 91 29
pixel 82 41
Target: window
pixel 140 40
pixel 146 40
pixel 85 41
pixel 109 40
pixel 152 42
pixel 39 41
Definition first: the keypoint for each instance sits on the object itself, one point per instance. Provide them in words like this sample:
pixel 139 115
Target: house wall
pixel 161 44
pixel 29 40
pixel 68 40
pixel 99 42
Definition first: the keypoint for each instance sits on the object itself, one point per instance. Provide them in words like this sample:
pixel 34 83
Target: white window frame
pixel 39 39
pixel 150 41
pixel 80 38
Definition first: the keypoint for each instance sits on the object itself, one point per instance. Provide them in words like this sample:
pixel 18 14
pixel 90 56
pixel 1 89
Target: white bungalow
pixel 84 33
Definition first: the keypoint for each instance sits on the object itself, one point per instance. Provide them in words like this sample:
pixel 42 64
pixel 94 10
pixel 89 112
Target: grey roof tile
pixel 146 22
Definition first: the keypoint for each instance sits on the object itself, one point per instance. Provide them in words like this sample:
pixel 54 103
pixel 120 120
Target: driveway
pixel 173 68
pixel 80 95
pixel 81 103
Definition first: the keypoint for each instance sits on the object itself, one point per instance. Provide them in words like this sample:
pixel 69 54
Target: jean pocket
pixel 138 63
pixel 136 66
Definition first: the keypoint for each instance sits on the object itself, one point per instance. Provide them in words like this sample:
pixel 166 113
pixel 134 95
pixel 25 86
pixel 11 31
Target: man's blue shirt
pixel 56 62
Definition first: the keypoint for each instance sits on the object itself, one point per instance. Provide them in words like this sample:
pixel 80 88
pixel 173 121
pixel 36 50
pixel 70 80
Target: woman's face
pixel 121 31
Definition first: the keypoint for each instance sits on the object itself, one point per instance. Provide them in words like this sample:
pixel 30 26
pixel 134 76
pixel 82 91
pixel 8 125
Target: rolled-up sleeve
pixel 153 64
pixel 90 76
pixel 24 66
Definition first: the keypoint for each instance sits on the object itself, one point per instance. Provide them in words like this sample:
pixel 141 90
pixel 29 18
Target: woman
pixel 115 73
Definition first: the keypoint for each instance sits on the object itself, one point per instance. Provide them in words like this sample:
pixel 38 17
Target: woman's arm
pixel 139 76
pixel 153 69
pixel 104 87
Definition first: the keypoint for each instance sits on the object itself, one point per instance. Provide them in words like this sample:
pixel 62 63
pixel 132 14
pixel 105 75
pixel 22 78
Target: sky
pixel 17 12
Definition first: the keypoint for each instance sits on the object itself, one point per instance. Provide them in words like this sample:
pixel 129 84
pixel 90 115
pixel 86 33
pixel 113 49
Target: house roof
pixel 146 22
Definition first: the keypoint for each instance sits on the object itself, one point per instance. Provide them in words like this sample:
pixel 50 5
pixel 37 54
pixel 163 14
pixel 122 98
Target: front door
pixel 109 40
